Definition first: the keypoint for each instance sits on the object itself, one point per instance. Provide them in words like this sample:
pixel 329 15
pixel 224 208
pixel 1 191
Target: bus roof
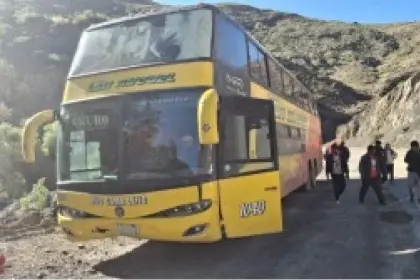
pixel 172 9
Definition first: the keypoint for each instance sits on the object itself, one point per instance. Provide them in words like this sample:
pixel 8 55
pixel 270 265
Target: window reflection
pixel 163 38
pixel 161 136
pixel 88 141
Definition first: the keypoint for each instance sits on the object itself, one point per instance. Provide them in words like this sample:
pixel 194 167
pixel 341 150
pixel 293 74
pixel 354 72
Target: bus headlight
pixel 72 213
pixel 185 210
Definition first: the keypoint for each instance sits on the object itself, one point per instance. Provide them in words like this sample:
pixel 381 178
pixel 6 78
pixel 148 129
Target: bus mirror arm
pixel 30 132
pixel 56 115
pixel 208 131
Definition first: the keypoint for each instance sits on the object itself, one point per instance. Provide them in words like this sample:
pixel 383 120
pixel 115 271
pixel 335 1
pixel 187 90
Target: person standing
pixel 412 159
pixel 391 155
pixel 370 170
pixel 346 155
pixel 338 166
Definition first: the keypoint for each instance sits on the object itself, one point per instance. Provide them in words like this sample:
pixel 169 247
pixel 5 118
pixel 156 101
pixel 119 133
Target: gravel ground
pixel 321 240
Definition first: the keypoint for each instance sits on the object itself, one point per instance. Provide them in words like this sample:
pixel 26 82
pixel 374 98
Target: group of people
pixel 375 167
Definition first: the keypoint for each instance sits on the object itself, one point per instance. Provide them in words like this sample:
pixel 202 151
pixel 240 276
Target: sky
pixel 362 11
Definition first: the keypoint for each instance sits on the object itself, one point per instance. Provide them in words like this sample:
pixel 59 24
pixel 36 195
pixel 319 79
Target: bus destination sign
pixel 133 81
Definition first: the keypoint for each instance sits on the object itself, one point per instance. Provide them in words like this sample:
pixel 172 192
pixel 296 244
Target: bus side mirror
pixel 208 132
pixel 30 131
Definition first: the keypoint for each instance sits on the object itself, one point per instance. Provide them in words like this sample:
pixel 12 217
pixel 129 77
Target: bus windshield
pixel 88 141
pixel 141 136
pixel 157 39
pixel 161 138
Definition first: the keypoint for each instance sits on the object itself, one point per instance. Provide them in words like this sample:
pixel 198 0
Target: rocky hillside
pixel 362 73
pixel 393 114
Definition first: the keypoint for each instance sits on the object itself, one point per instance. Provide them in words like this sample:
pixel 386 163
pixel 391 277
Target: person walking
pixel 412 159
pixel 381 157
pixel 391 155
pixel 346 155
pixel 337 164
pixel 328 164
pixel 370 170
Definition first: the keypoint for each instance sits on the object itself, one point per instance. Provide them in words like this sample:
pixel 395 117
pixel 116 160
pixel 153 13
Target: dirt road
pixel 321 240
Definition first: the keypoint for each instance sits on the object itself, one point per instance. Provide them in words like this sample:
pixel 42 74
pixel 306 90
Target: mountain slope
pixel 344 64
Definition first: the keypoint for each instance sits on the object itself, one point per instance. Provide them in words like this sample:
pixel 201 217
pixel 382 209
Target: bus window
pixel 161 136
pixel 296 133
pixel 276 77
pixel 303 134
pixel 162 38
pixel 254 66
pixel 282 131
pixel 235 139
pixel 288 84
pixel 257 66
pixel 87 141
pixel 259 139
pixel 231 59
pixel 230 46
pixel 263 69
pixel 246 144
pixel 290 140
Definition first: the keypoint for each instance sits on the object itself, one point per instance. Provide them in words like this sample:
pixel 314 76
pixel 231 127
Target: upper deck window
pixel 231 47
pixel 156 39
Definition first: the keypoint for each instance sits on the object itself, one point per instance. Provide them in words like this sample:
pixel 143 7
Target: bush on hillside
pixel 48 140
pixel 37 199
pixel 11 180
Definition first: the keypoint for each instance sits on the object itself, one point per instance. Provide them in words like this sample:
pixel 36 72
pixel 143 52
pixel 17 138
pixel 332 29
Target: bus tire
pixel 313 174
pixel 223 231
pixel 307 185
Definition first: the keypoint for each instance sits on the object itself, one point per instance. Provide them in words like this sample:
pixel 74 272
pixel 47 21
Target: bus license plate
pixel 127 230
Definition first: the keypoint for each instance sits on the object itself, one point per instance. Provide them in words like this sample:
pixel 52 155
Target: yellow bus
pixel 178 126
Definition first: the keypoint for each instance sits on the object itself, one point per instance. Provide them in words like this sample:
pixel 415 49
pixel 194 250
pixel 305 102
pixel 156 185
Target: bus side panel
pixel 315 142
pixel 293 167
pixel 292 172
pixel 251 204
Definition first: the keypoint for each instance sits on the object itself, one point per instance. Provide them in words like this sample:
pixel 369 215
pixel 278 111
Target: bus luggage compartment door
pixel 249 183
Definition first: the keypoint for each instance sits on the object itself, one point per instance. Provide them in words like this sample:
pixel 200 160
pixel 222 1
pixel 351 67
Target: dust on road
pixel 321 240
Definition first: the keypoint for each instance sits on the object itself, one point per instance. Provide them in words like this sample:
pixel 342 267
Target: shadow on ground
pixel 307 217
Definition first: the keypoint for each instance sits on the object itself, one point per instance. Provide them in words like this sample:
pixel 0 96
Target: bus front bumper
pixel 202 227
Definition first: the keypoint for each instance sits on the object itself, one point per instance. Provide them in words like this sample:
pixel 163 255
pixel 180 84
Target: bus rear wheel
pixel 312 174
pixel 310 182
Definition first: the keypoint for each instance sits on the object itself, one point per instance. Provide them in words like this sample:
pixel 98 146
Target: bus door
pixel 249 182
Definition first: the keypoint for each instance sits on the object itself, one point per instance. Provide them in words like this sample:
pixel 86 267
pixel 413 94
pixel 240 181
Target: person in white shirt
pixel 390 155
pixel 337 164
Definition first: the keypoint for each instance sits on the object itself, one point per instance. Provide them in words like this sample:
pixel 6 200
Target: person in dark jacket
pixel 346 154
pixel 412 158
pixel 371 171
pixel 338 165
pixel 381 156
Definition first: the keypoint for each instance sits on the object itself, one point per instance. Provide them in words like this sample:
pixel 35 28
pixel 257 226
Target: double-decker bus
pixel 178 126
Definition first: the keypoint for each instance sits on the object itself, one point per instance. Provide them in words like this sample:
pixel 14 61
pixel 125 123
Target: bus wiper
pixel 145 175
pixel 110 177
